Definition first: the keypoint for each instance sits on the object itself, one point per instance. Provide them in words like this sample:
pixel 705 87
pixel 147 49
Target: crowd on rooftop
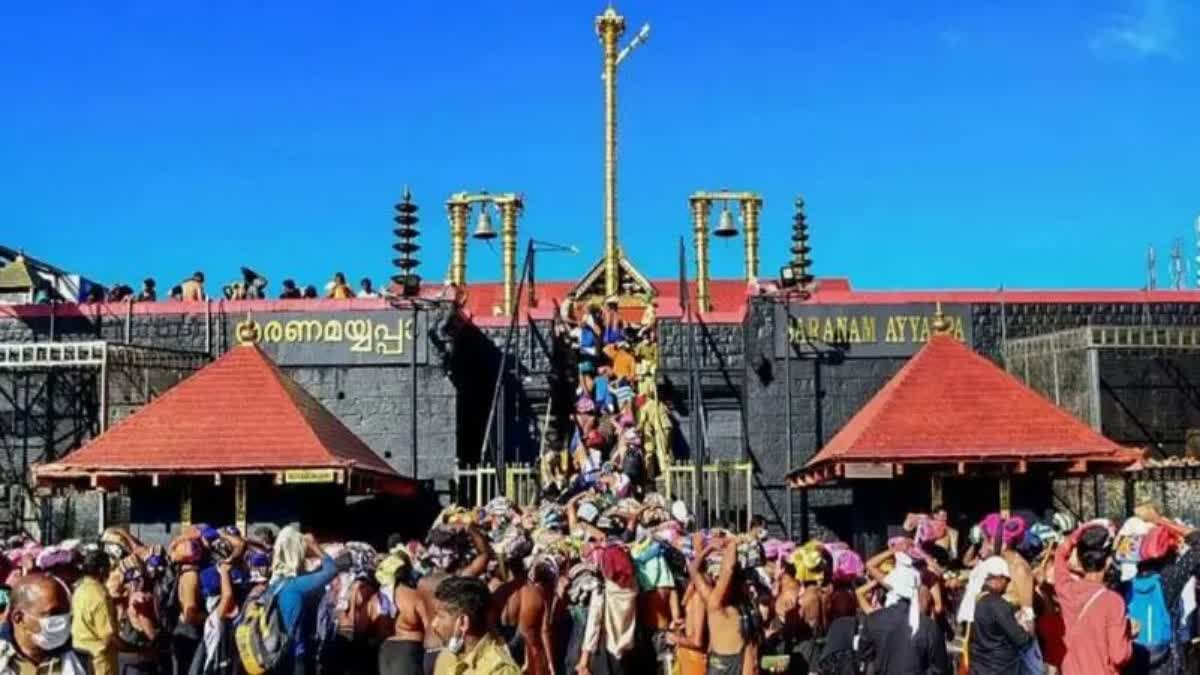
pixel 252 286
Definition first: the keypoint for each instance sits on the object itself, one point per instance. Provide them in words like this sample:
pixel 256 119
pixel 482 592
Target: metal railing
pixel 728 490
pixel 52 354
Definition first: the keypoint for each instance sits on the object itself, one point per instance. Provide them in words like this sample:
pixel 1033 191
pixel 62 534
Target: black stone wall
pixel 826 390
pixel 1029 319
pixel 375 402
pixel 1148 397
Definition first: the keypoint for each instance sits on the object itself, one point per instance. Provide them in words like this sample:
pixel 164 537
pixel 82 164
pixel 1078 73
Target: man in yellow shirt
pixel 338 289
pixel 472 647
pixel 94 616
pixel 623 363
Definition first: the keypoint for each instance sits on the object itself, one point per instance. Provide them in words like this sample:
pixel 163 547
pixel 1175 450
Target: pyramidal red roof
pixel 239 413
pixel 948 405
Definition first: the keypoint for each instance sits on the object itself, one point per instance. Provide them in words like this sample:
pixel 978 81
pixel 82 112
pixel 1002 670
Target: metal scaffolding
pixel 1064 366
pixel 56 395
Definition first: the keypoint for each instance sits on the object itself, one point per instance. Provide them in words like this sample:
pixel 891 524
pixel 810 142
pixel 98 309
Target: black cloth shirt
pixel 997 640
pixel 1175 575
pixel 888 641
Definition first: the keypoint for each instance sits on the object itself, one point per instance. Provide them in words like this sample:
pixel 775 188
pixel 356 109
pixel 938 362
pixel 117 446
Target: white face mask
pixel 456 643
pixel 54 633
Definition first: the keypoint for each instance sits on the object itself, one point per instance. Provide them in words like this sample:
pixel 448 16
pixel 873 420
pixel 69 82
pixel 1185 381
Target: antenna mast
pixel 1151 278
pixel 1177 271
pixel 1196 267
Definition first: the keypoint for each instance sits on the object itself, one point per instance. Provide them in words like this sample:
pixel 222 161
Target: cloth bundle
pixel 65 553
pixel 651 566
pixel 362 567
pixel 925 528
pixel 809 563
pixel 750 554
pixel 500 507
pixel 584 579
pixel 1011 530
pixel 514 544
pixel 778 549
pixel 1127 549
pixel 446 548
pixel 847 565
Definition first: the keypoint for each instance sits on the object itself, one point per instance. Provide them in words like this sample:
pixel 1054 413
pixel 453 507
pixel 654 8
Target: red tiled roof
pixel 727 298
pixel 239 414
pixel 948 405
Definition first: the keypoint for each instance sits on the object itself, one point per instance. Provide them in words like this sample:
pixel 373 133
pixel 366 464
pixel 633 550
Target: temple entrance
pixel 212 504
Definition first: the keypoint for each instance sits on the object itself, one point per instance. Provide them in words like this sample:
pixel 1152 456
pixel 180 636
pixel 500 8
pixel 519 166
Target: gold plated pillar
pixel 700 206
pixel 239 502
pixel 185 504
pixel 508 242
pixel 460 211
pixel 751 207
pixel 609 27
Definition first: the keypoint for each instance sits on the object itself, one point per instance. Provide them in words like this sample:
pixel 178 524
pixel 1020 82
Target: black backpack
pixel 166 598
pixel 634 466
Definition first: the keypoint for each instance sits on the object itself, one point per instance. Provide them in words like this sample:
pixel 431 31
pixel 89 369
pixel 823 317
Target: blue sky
pixel 938 144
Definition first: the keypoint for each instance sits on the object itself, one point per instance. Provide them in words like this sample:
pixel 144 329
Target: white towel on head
pixel 903 583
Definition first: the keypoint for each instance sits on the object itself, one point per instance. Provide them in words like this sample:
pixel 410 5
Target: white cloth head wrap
pixel 903 583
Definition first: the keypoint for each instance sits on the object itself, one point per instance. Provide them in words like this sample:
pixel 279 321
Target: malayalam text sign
pixel 350 338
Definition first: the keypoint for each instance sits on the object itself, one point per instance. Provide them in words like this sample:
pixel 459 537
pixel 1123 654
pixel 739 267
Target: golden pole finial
pixel 609 27
pixel 941 325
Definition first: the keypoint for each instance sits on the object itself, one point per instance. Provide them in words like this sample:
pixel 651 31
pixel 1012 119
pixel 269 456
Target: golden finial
pixel 941 325
pixel 247 331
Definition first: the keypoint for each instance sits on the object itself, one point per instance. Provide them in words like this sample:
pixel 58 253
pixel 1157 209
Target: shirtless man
pixel 813 612
pixel 188 630
pixel 404 652
pixel 192 288
pixel 691 639
pixel 1020 592
pixel 521 612
pixel 730 650
pixel 786 611
pixel 427 588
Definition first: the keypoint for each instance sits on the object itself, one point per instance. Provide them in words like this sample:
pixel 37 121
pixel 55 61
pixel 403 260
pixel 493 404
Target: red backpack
pixel 616 565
